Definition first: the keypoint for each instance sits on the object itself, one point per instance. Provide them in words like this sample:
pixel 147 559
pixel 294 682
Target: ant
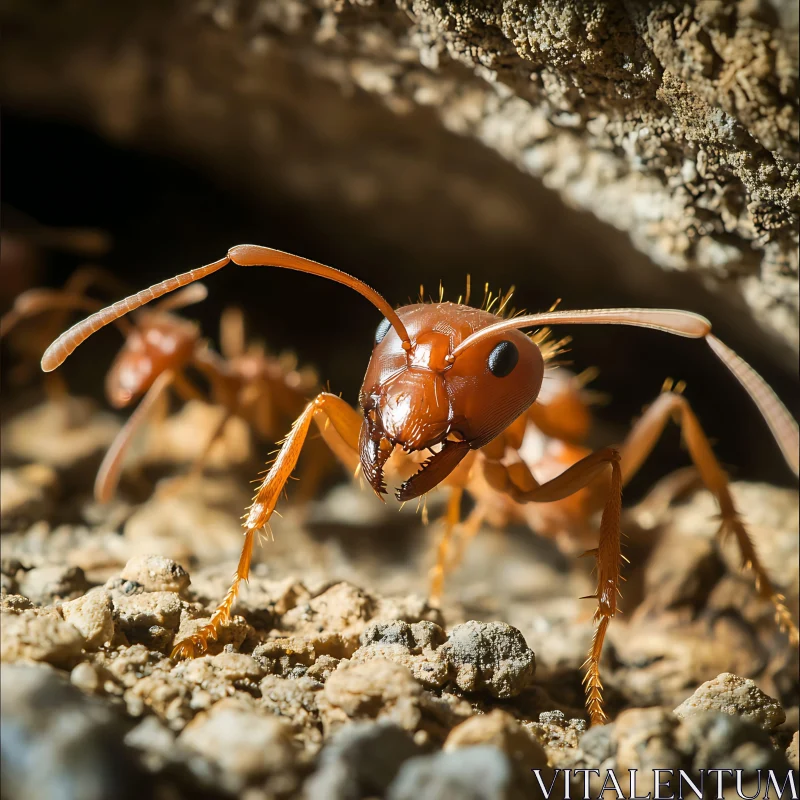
pixel 453 380
pixel 159 347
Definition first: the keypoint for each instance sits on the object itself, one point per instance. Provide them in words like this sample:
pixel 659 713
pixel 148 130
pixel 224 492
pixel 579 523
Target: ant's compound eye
pixel 382 330
pixel 503 359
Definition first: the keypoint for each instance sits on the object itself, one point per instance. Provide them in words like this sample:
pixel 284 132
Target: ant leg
pixel 640 443
pixel 86 276
pixel 107 479
pixel 186 390
pixel 347 423
pixel 516 479
pixel 566 415
pixel 465 533
pixel 450 521
pixel 232 339
pixel 188 296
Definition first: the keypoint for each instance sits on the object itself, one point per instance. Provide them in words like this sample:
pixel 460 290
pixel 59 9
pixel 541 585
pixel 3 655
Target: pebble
pixel 476 773
pixel 58 743
pixel 412 646
pixel 377 688
pixel 145 610
pixel 792 754
pixel 295 699
pixel 713 738
pixel 240 741
pixel 85 678
pixel 490 656
pixel 499 729
pixel 737 696
pixel 26 494
pixel 224 666
pixel 556 731
pixel 361 760
pixel 45 585
pixel 341 612
pixel 32 636
pixel 92 616
pixel 156 574
pixel 645 740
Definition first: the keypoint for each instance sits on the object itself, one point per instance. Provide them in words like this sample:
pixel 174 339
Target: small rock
pixel 737 696
pixel 323 668
pixel 144 610
pixel 477 773
pixel 59 743
pixel 167 696
pixel 333 620
pixel 32 636
pixel 556 732
pixel 45 585
pixel 285 654
pixel 242 742
pixel 792 755
pixel 156 574
pixel 93 616
pixel 490 656
pixel 713 739
pixel 154 740
pixel 85 678
pixel 361 760
pixel 392 632
pixel 598 744
pixel 295 700
pixel 225 666
pixel 26 494
pixel 499 729
pixel 376 688
pixel 645 740
pixel 14 604
pixel 412 646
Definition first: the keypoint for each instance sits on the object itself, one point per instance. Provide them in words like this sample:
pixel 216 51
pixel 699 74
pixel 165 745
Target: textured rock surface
pixel 490 656
pixel 736 696
pixel 677 124
pixel 58 743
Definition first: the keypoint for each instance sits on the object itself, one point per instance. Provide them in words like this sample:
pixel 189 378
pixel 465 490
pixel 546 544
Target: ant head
pixel 159 342
pixel 423 397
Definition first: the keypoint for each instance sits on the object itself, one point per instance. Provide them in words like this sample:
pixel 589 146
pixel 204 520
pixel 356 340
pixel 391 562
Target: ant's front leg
pixel 108 475
pixel 518 482
pixel 346 424
pixel 640 443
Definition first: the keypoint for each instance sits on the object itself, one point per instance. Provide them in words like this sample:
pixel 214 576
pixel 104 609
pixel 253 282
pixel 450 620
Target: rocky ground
pixel 336 678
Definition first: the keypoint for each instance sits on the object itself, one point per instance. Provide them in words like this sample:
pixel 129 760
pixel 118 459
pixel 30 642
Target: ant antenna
pixel 244 255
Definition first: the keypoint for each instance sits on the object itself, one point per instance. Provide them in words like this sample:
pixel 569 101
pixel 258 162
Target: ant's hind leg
pixel 346 423
pixel 640 443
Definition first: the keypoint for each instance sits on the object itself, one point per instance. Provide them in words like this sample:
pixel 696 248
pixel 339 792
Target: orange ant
pixel 454 380
pixel 159 347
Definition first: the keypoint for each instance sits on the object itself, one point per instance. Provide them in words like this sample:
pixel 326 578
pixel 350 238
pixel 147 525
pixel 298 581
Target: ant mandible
pixel 457 377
